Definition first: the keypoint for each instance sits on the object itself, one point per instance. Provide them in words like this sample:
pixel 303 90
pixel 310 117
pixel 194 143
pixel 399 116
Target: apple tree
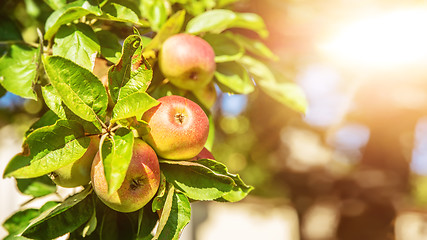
pixel 102 70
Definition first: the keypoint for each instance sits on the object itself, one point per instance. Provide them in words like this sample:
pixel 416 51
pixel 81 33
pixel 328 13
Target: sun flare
pixel 392 39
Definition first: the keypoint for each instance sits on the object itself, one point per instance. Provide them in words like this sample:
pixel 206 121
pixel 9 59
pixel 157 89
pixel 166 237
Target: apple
pixel 179 128
pixel 204 154
pixel 77 173
pixel 140 184
pixel 187 61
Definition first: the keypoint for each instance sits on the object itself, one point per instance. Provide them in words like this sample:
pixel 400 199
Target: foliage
pixel 59 71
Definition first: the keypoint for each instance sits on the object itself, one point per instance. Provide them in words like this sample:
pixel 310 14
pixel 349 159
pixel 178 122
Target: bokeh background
pixel 353 168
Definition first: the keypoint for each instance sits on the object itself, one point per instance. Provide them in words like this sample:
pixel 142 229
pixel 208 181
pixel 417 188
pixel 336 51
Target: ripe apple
pixel 178 128
pixel 141 182
pixel 187 61
pixel 77 173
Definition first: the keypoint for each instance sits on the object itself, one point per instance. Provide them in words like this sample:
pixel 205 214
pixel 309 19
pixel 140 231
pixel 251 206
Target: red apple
pixel 187 61
pixel 178 128
pixel 77 173
pixel 141 182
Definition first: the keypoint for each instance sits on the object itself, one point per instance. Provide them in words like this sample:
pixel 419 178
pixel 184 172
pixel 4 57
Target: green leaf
pixel 56 4
pixel 80 90
pixel 146 222
pixel 156 11
pixel 233 78
pixel 116 156
pixel 20 220
pixel 108 226
pixel 50 147
pixel 132 73
pixel 253 46
pixel 175 216
pixel 90 225
pixel 47 119
pixel 17 223
pixel 2 91
pixel 36 187
pixel 225 48
pixel 67 217
pixel 133 105
pixel 160 198
pixel 9 30
pixel 214 21
pixel 218 20
pixel 287 93
pixel 78 43
pixel 223 3
pixel 54 102
pixel 240 189
pixel 258 70
pixel 18 70
pixel 197 181
pixel 172 26
pixel 69 13
pixel 110 46
pixel 18 161
pixel 251 21
pixel 197 7
pixel 118 12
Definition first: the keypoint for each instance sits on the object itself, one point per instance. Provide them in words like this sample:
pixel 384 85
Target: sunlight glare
pixel 392 39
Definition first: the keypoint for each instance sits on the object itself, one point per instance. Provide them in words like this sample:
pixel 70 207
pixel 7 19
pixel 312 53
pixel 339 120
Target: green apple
pixel 179 128
pixel 187 61
pixel 140 184
pixel 77 173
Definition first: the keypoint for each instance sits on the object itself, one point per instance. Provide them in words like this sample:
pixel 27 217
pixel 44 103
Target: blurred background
pixel 354 167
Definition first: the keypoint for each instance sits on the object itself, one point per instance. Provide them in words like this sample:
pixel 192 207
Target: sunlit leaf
pixel 78 43
pixel 172 26
pixel 225 48
pixel 68 13
pixel 214 21
pixel 156 12
pixel 50 148
pixel 133 105
pixel 110 46
pixel 286 93
pixel 232 77
pixel 60 110
pixel 66 217
pixel 218 20
pixel 132 73
pixel 175 216
pixel 18 70
pixel 118 12
pixel 253 46
pixel 240 189
pixel 79 89
pixel 56 4
pixel 197 181
pixel 258 70
pixel 116 156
